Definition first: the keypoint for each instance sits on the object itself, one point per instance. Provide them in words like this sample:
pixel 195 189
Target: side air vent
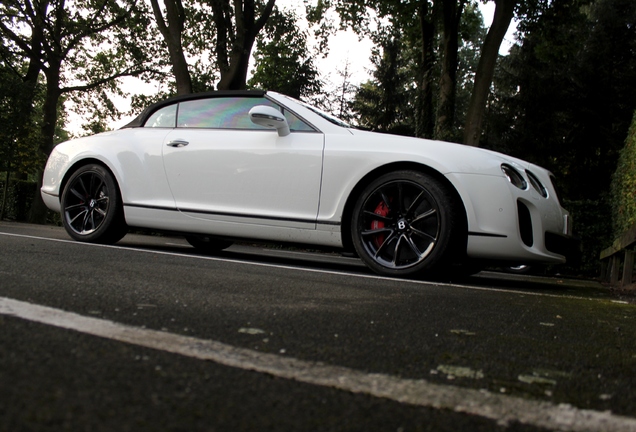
pixel 525 224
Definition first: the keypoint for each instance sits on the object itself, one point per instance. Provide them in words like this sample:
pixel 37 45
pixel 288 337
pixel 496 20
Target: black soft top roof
pixel 141 118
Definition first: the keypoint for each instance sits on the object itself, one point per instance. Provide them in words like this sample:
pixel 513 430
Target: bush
pixel 623 188
pixel 592 226
pixel 19 199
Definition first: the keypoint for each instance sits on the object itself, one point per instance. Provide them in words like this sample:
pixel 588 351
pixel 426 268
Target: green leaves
pixel 283 62
pixel 623 189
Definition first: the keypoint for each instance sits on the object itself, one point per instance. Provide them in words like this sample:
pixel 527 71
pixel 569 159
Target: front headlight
pixel 536 184
pixel 514 176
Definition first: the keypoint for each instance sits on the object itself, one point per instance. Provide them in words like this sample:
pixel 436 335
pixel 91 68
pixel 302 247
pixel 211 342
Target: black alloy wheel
pixel 406 223
pixel 92 210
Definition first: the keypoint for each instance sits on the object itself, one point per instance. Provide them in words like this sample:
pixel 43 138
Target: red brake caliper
pixel 381 210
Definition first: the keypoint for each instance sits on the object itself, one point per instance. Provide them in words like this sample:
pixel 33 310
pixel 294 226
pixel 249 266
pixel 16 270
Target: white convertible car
pixel 224 166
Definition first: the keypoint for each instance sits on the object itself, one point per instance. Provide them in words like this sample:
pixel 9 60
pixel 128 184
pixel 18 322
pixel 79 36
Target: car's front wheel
pixel 92 208
pixel 407 223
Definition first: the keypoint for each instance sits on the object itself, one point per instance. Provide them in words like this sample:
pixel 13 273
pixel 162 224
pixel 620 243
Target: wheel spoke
pixel 411 244
pixel 78 194
pixel 396 251
pixel 376 231
pixel 386 200
pixel 91 186
pixel 82 213
pixel 376 216
pixel 385 244
pixel 92 220
pixel 80 181
pixel 99 186
pixel 75 206
pixel 400 198
pixel 87 217
pixel 423 234
pixel 416 202
pixel 423 216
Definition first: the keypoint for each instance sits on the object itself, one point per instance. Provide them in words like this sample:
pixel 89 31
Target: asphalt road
pixel 149 335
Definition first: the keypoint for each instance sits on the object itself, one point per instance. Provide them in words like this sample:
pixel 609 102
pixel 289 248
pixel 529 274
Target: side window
pixel 217 113
pixel 296 124
pixel 164 118
pixel 229 113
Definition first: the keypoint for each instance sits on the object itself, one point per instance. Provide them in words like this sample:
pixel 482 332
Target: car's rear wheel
pixel 407 223
pixel 92 209
pixel 208 244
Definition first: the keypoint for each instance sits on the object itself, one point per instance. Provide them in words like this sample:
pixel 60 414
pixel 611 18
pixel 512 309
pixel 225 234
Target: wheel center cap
pixel 402 225
pixel 92 203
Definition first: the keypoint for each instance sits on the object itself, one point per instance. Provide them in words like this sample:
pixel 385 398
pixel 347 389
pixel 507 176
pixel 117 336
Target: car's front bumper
pixel 508 224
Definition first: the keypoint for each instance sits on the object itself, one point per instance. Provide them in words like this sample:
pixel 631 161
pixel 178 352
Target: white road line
pixel 503 409
pixel 309 270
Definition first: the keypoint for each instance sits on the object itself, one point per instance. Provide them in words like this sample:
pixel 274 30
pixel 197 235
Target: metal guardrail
pixel 619 259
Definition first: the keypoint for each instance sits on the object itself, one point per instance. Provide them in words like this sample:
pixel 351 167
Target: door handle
pixel 178 143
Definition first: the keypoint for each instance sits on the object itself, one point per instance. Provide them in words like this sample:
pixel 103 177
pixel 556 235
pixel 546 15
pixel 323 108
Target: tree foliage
pixel 415 22
pixel 207 38
pixel 504 12
pixel 18 128
pixel 283 61
pixel 98 40
pixel 396 75
pixel 383 104
pixel 431 29
pixel 237 25
pixel 171 25
pixel 624 185
pixel 566 95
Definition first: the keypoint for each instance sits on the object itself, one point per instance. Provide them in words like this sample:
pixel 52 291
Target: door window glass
pixel 165 117
pixel 229 113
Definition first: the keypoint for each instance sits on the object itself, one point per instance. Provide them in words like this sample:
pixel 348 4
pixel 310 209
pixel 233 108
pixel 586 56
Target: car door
pixel 220 166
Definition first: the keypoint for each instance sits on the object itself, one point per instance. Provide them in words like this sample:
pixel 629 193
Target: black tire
pixel 92 209
pixel 407 224
pixel 207 244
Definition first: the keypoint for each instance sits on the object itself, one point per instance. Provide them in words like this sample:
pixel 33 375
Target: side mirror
pixel 269 117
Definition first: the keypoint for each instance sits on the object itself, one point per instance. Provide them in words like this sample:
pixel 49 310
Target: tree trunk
pixel 234 71
pixel 5 190
pixel 452 12
pixel 425 118
pixel 37 213
pixel 504 11
pixel 172 32
pixel 235 77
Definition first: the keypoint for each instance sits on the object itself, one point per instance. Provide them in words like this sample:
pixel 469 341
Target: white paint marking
pixel 501 408
pixel 311 270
